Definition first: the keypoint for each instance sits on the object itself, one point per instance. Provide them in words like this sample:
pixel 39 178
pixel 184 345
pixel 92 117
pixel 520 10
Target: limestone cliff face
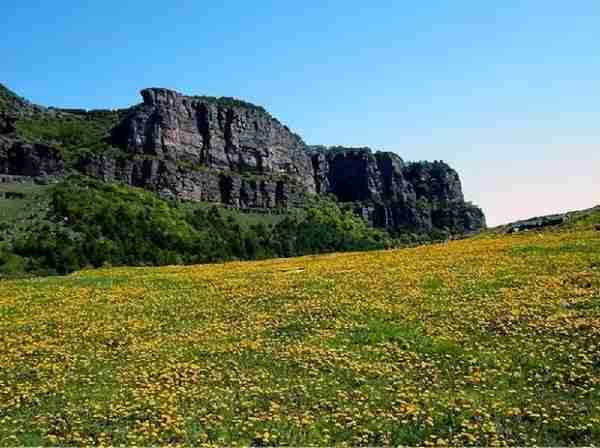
pixel 212 149
pixel 418 196
pixel 227 151
pixel 29 159
pixel 166 177
pixel 18 157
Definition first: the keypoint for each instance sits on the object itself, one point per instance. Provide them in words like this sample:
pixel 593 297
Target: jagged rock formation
pixel 26 159
pixel 418 196
pixel 208 149
pixel 237 136
pixel 228 151
pixel 29 159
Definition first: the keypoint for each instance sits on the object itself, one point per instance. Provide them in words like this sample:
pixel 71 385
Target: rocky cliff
pixel 232 152
pixel 14 106
pixel 18 157
pixel 209 149
pixel 390 193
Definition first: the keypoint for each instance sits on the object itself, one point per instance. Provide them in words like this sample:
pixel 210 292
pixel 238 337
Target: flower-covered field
pixel 493 340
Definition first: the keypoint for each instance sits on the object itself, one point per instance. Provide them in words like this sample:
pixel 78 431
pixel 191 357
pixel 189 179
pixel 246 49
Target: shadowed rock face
pixel 29 159
pixel 18 157
pixel 222 134
pixel 418 197
pixel 353 175
pixel 208 149
pixel 227 151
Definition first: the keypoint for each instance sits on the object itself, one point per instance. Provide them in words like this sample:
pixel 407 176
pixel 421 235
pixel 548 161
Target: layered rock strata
pixel 227 151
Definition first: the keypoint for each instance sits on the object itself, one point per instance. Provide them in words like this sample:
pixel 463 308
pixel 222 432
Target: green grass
pixel 16 215
pixel 591 305
pixel 469 343
pixel 381 330
pixel 71 133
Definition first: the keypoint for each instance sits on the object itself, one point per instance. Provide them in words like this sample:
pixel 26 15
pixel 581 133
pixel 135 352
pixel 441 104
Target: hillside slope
pixel 81 222
pixel 493 340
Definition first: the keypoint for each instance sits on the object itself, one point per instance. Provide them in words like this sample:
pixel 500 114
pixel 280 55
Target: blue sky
pixel 506 92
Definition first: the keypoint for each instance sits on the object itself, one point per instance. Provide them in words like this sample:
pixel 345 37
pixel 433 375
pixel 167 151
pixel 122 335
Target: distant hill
pixel 539 222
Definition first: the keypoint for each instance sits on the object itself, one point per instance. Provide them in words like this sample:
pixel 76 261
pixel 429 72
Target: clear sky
pixel 507 92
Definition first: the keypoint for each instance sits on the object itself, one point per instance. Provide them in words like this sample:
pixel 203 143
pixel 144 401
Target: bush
pixel 326 228
pixel 10 264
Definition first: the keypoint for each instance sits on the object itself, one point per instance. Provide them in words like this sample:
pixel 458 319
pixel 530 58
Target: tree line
pixel 89 223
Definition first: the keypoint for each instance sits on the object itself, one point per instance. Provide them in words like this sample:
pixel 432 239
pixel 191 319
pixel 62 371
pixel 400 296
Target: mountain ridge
pixel 225 150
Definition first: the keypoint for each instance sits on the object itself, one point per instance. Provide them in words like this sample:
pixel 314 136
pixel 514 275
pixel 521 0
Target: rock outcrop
pixel 540 222
pixel 215 149
pixel 228 151
pixel 196 184
pixel 419 197
pixel 18 157
pixel 29 159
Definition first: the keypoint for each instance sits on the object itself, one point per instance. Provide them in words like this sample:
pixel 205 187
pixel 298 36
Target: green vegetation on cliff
pixel 71 133
pixel 229 102
pixel 10 102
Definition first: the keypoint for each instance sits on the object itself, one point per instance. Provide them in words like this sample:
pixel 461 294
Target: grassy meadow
pixel 493 340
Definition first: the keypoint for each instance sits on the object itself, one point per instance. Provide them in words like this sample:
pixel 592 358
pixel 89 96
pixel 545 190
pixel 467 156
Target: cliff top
pixel 154 95
pixel 321 149
pixel 336 149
